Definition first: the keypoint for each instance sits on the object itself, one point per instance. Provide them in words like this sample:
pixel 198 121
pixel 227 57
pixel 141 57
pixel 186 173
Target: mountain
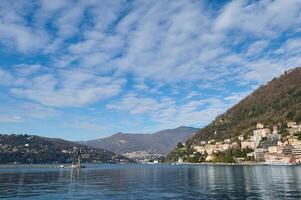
pixel 36 149
pixel 161 142
pixel 277 102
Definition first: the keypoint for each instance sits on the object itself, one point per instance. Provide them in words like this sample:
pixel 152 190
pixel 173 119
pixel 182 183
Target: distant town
pixel 265 146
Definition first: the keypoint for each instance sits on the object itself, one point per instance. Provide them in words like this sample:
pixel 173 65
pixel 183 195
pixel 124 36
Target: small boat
pixel 76 161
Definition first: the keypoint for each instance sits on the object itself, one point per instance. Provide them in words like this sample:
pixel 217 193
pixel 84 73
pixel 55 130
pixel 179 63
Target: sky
pixel 87 69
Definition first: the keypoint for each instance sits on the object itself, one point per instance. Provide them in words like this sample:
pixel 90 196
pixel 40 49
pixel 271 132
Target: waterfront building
pixel 278 159
pixel 259 154
pixel 250 154
pixel 287 149
pixel 209 158
pixel 296 151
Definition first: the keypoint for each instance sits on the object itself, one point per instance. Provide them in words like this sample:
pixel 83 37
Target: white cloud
pixel 262 18
pixel 78 92
pixel 5 77
pixel 16 111
pixel 17 34
pixel 9 118
pixel 166 48
pixel 257 47
pixel 26 70
pixel 167 113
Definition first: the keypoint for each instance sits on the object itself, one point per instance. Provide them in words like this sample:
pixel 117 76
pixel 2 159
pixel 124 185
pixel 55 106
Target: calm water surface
pixel 152 182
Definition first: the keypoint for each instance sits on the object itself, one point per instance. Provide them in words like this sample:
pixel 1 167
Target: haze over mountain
pixel 160 142
pixel 277 102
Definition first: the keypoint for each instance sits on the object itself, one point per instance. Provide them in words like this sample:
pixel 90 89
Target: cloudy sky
pixel 87 69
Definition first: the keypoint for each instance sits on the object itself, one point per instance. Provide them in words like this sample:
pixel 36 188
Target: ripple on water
pixel 152 182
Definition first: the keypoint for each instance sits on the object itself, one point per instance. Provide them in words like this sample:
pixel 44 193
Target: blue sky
pixel 87 69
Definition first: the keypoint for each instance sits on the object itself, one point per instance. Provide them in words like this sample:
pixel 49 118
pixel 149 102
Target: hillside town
pixel 31 149
pixel 264 145
pixel 144 156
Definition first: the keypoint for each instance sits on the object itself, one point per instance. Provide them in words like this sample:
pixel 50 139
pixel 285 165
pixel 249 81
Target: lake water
pixel 135 181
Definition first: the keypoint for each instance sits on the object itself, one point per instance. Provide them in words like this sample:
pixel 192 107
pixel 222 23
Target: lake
pixel 134 181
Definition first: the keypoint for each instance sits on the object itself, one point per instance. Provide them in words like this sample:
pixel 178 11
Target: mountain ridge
pixel 159 142
pixel 37 149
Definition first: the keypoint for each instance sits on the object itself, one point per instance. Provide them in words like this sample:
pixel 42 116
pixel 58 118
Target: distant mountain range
pixel 36 149
pixel 161 142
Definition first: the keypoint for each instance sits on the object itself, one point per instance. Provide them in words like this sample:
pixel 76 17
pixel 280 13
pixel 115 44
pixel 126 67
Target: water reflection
pixel 153 182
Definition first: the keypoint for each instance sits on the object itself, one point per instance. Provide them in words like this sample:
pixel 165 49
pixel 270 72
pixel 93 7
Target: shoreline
pixel 67 166
pixel 223 164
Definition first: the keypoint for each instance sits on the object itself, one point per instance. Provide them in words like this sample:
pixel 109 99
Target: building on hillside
pixel 225 147
pixel 293 141
pixel 200 149
pixel 256 139
pixel 241 137
pixel 295 129
pixel 275 129
pixel 296 151
pixel 291 124
pixel 250 154
pixel 274 137
pixel 211 141
pixel 209 158
pixel 261 132
pixel 227 140
pixel 234 145
pixel 259 126
pixel 248 144
pixel 275 149
pixel 287 150
pixel 259 154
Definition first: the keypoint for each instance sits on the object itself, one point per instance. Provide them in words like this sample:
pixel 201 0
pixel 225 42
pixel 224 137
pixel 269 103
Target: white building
pixel 291 124
pixel 261 132
pixel 295 129
pixel 259 126
pixel 200 149
pixel 259 154
pixel 248 144
pixel 241 138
